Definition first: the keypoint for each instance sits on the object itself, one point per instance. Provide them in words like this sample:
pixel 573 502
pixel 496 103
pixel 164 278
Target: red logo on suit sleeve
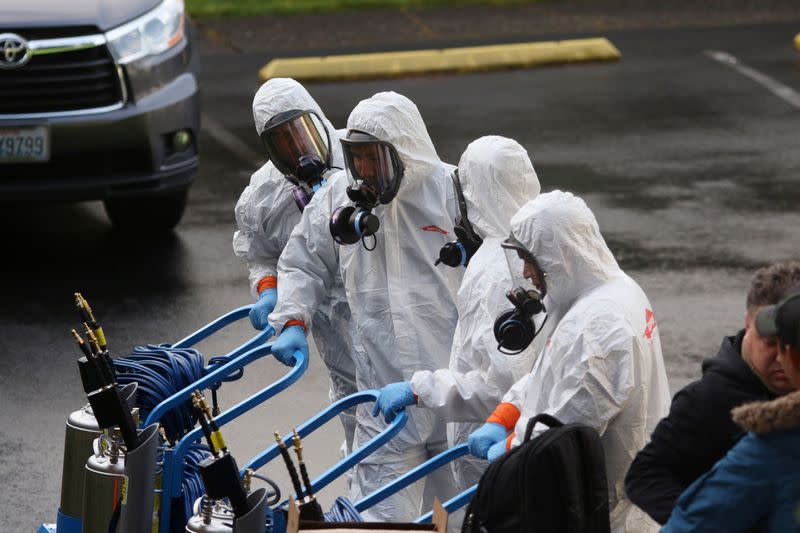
pixel 434 228
pixel 650 319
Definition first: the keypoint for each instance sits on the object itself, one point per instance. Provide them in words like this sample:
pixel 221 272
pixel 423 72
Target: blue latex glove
pixel 484 437
pixel 497 449
pixel 289 341
pixel 263 307
pixel 392 398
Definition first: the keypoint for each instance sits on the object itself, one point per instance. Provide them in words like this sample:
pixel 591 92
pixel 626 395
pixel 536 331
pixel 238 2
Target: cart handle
pixel 214 377
pixel 432 464
pixel 228 318
pixel 314 423
pixel 452 505
pixel 173 459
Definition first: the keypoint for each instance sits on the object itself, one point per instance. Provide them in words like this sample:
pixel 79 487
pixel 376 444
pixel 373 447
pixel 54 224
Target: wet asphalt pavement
pixel 691 168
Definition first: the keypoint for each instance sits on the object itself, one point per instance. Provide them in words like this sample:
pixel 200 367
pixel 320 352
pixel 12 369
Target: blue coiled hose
pixel 161 371
pixel 343 511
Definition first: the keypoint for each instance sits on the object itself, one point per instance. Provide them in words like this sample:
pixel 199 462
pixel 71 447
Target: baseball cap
pixel 783 319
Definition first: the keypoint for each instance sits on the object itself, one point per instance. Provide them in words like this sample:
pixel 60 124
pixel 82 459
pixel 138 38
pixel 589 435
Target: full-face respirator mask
pixel 515 328
pixel 376 172
pixel 298 144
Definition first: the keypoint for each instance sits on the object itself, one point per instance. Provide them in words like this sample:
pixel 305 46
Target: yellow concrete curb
pixel 797 41
pixel 468 59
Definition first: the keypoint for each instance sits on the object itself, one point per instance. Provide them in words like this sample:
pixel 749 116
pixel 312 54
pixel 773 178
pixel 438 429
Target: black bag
pixel 555 483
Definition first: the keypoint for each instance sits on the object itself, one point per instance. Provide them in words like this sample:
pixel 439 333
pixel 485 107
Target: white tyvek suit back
pixel 497 178
pixel 266 214
pixel 403 307
pixel 602 365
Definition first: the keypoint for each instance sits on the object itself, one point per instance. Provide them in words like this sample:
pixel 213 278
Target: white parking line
pixel 774 86
pixel 230 141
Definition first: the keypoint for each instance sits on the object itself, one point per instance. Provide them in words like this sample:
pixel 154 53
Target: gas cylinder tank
pixel 81 431
pixel 103 483
pixel 210 517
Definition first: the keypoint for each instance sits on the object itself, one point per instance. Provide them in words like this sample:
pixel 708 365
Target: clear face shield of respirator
pixel 375 171
pixel 514 328
pixel 298 144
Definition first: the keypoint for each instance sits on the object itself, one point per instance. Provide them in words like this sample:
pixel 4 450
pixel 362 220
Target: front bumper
pixel 122 152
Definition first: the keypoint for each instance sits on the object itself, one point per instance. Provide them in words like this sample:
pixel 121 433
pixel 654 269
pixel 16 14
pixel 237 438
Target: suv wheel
pixel 155 213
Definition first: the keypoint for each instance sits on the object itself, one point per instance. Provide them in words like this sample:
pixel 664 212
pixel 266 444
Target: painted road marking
pixel 230 141
pixel 462 59
pixel 772 85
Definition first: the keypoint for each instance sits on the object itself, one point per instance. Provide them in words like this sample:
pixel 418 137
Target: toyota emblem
pixel 14 51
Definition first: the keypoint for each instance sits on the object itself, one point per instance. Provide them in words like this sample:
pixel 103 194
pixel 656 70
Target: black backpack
pixel 555 483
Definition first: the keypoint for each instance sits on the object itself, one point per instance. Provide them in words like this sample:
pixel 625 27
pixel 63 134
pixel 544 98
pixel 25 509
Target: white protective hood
pixel 497 179
pixel 283 94
pixel 602 365
pixel 393 118
pixel 562 234
pixel 266 212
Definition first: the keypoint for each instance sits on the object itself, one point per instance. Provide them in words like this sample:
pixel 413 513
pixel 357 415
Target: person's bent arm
pixel 308 265
pixel 466 396
pixel 265 216
pixel 469 396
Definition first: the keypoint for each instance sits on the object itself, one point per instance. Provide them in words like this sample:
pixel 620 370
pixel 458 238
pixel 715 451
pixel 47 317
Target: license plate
pixel 25 145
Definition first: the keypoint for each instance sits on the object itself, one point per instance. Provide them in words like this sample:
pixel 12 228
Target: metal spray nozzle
pixel 92 338
pixel 298 445
pixel 81 344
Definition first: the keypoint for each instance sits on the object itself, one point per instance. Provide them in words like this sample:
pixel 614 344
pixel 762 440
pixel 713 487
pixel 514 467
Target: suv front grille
pixel 65 81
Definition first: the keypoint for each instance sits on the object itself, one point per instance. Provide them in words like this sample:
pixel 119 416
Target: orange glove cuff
pixel 506 414
pixel 267 282
pixel 509 440
pixel 296 323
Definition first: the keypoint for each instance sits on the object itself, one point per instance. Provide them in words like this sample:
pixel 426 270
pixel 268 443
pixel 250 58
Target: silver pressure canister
pixel 210 516
pixel 213 517
pixel 81 431
pixel 103 484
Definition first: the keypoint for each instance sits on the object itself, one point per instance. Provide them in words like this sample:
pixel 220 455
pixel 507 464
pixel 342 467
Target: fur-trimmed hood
pixel 764 417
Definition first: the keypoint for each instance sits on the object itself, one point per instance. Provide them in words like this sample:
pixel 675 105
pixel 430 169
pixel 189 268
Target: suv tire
pixel 148 213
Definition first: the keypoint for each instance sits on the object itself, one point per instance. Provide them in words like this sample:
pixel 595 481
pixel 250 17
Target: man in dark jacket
pixel 699 430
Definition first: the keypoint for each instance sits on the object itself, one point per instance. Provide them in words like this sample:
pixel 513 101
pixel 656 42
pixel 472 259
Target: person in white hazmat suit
pixel 497 178
pixel 403 306
pixel 271 206
pixel 602 364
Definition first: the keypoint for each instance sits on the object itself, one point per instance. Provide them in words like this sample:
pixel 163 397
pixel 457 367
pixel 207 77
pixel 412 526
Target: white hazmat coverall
pixel 266 214
pixel 497 178
pixel 403 306
pixel 602 365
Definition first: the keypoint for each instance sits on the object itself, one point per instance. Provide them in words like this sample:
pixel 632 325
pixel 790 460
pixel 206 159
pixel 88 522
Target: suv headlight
pixel 152 33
